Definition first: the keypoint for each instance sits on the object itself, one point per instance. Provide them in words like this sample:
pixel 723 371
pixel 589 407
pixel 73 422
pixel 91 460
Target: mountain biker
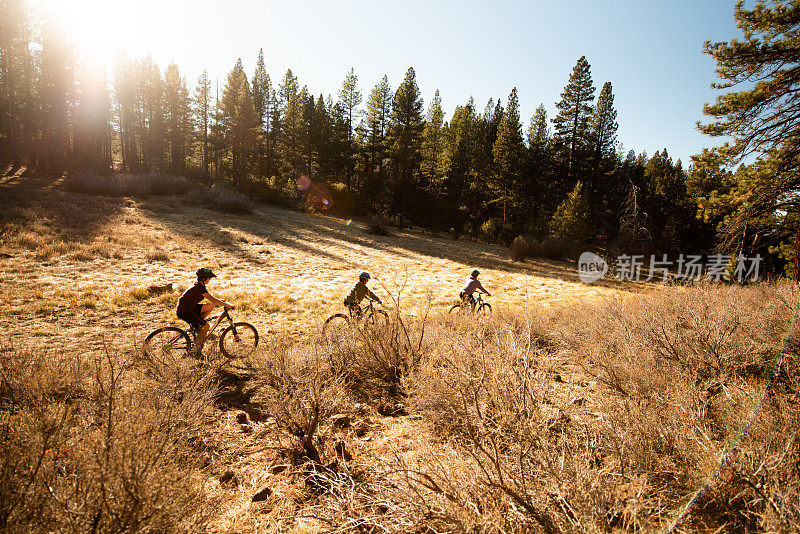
pixel 358 293
pixel 469 288
pixel 193 312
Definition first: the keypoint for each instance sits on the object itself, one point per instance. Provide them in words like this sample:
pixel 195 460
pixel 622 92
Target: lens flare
pixel 319 196
pixel 304 183
pixel 349 222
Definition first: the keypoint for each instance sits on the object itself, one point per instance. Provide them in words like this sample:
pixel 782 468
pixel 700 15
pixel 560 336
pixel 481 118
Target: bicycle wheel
pixel 335 326
pixel 239 340
pixel 456 308
pixel 166 345
pixel 378 318
pixel 484 309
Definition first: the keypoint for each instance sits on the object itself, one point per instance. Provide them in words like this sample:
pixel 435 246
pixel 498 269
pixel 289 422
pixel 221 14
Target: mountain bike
pixel 368 315
pixel 169 343
pixel 475 305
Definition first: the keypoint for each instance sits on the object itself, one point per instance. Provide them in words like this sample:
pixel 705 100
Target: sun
pixel 101 29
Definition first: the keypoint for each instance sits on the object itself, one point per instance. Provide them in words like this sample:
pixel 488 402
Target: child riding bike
pixel 357 294
pixel 193 312
pixel 470 287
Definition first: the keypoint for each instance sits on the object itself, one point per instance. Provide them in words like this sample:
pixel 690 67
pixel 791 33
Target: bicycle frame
pixel 361 311
pixel 218 318
pixel 473 303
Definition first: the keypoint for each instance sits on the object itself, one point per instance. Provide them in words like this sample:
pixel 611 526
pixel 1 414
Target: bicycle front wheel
pixel 238 340
pixel 335 326
pixel 378 318
pixel 484 309
pixel 166 345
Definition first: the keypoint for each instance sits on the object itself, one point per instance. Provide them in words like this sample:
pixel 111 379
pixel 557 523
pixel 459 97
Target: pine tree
pixel 262 103
pixel 759 111
pixel 321 137
pixel 177 117
pixel 202 116
pixel 57 95
pixel 603 192
pixel 239 121
pixel 292 150
pixel 433 144
pixel 405 133
pixel 151 129
pixel 261 85
pixel 572 220
pixel 379 107
pixel 603 124
pixel 13 50
pixel 538 132
pixel 127 110
pixel 350 98
pixel 92 131
pixel 459 164
pixel 574 111
pixel 537 191
pixel 483 160
pixel 508 153
pixel 287 89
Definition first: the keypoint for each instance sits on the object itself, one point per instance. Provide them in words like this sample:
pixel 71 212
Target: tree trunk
pixel 796 273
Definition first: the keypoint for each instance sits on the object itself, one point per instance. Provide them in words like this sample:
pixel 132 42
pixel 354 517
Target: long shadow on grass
pixel 33 198
pixel 302 232
pixel 467 253
pixel 211 226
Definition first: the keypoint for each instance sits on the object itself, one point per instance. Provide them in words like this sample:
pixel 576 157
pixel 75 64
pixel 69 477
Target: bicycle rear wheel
pixel 456 308
pixel 166 345
pixel 335 326
pixel 238 340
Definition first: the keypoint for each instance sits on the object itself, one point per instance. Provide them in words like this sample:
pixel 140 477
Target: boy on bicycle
pixel 472 284
pixel 358 293
pixel 193 312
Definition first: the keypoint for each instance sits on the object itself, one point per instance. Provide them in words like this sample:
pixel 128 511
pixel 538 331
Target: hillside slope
pixel 80 265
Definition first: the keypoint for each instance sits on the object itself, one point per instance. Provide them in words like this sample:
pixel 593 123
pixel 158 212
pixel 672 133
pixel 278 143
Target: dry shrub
pixel 375 360
pixel 106 250
pixel 127 185
pixel 54 248
pixel 552 248
pixel 157 255
pixel 520 249
pixel 90 445
pixel 378 224
pixel 226 200
pixel 611 417
pixel 301 392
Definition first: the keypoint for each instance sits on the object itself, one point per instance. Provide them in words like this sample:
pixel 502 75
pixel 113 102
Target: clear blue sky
pixel 650 51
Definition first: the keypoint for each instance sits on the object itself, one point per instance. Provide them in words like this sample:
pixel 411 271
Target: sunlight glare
pixel 102 28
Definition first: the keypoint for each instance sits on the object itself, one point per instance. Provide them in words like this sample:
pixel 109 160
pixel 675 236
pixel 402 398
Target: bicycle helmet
pixel 475 273
pixel 205 272
pixel 364 276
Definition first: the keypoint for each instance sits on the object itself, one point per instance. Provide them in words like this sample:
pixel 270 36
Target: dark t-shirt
pixel 191 298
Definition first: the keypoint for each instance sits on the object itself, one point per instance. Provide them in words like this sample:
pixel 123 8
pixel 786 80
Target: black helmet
pixel 205 272
pixel 475 273
pixel 364 276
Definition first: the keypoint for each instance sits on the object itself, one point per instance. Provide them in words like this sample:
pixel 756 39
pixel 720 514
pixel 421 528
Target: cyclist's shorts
pixel 194 318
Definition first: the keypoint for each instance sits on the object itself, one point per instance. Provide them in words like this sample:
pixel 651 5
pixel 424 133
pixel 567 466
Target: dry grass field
pixel 603 408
